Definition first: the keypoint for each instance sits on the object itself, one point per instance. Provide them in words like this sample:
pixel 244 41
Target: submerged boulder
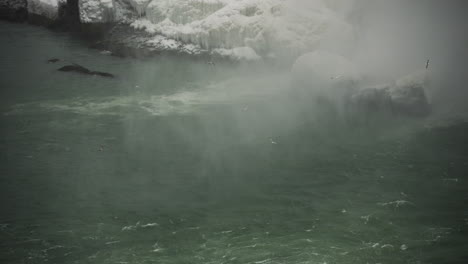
pixel 80 69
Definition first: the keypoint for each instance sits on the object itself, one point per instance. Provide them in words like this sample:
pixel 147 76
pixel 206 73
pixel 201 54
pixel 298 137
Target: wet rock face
pixel 96 11
pixel 45 12
pixel 139 6
pixel 13 10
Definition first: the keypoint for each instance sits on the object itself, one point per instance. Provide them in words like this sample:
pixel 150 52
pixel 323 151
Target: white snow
pixel 238 29
pixel 243 28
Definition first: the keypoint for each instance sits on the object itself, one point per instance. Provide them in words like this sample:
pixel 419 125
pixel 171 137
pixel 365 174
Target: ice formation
pixel 240 28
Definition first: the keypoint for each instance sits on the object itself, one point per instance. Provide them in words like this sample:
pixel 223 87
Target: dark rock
pixel 75 68
pixel 103 74
pixel 53 60
pixel 14 10
pixel 80 69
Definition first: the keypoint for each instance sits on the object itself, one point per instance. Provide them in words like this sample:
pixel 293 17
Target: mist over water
pixel 178 160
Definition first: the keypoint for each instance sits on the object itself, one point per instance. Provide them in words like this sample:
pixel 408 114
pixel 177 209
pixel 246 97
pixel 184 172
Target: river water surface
pixel 181 161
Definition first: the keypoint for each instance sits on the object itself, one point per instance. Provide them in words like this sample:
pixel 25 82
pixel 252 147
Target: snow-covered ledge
pixel 234 29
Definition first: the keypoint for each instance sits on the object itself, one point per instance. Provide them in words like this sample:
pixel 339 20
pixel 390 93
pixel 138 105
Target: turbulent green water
pixel 180 161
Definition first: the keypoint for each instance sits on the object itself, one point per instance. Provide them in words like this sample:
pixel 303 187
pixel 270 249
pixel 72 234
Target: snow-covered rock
pixel 238 29
pixel 409 94
pixel 182 12
pixel 371 100
pixel 270 28
pixel 96 11
pixel 45 8
pixel 405 96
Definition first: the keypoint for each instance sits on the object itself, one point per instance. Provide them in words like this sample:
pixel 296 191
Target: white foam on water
pixel 187 101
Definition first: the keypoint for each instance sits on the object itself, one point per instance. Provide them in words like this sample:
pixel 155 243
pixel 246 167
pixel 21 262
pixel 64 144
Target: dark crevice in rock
pixel 69 15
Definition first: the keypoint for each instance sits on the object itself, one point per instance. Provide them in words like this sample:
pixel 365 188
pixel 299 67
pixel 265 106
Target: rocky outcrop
pixel 409 95
pixel 139 6
pixel 48 9
pixel 406 96
pixel 14 10
pixel 329 80
pixel 96 11
pixel 54 13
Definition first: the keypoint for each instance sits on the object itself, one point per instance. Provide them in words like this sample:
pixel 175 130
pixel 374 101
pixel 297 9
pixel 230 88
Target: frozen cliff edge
pixel 236 29
pixel 242 29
